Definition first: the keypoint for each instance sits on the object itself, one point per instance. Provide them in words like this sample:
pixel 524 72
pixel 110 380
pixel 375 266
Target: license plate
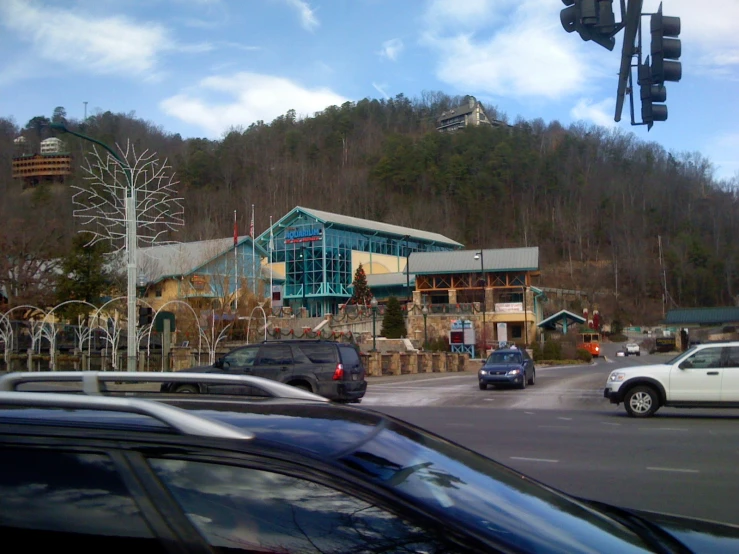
pixel 354 376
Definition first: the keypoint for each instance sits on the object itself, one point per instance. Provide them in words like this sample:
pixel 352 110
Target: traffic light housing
pixel 592 19
pixel 146 315
pixel 666 48
pixel 653 95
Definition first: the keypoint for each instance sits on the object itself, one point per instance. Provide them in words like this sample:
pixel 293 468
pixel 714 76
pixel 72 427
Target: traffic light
pixel 592 19
pixel 146 315
pixel 665 51
pixel 652 96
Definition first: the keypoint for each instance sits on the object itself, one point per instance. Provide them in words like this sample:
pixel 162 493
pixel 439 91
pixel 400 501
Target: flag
pixel 251 228
pixel 271 236
pixel 236 230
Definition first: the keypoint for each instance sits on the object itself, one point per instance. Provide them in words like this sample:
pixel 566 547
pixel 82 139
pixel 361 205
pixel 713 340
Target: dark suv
pixel 291 473
pixel 331 369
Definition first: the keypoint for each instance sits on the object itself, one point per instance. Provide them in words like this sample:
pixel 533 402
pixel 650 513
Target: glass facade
pixel 318 260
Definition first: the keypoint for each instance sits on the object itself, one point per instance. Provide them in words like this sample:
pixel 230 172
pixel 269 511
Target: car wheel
pixel 638 353
pixel 187 389
pixel 641 402
pixel 483 386
pixel 522 385
pixel 303 386
pixel 532 381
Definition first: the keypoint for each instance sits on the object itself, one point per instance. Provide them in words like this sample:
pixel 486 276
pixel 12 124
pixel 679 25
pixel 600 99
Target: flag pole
pixel 271 248
pixel 236 265
pixel 253 254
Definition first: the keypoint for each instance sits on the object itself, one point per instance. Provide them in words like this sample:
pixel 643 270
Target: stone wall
pixel 378 364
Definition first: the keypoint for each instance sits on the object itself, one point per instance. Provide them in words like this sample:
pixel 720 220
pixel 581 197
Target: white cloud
pixel 530 55
pixel 600 113
pixel 392 48
pixel 308 18
pixel 251 97
pixel 380 87
pixel 444 15
pixel 113 45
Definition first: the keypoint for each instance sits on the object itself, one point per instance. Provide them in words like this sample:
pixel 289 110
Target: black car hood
pixel 696 535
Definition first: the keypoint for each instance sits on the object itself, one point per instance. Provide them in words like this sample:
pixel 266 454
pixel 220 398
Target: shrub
pixel 439 344
pixel 552 350
pixel 583 355
pixel 536 352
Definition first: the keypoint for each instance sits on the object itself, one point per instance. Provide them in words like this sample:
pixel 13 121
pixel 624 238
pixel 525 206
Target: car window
pixel 319 353
pixel 237 508
pixel 732 356
pixel 705 358
pixel 275 355
pixel 68 499
pixel 349 356
pixel 504 358
pixel 242 357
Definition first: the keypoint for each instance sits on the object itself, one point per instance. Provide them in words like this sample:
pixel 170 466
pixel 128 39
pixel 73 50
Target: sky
pixel 201 67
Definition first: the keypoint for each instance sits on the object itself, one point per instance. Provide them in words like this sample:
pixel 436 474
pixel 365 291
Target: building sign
pixel 509 307
pixel 462 332
pixel 502 333
pixel 198 282
pixel 277 296
pixel 305 234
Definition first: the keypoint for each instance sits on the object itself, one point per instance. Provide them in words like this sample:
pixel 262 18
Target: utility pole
pixel 664 276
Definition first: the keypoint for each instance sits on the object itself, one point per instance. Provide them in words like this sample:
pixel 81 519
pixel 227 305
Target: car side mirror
pixel 685 365
pixel 218 363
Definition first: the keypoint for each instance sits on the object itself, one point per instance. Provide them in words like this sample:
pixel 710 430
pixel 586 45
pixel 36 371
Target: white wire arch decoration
pixel 7 336
pixel 201 334
pixel 50 333
pixel 248 326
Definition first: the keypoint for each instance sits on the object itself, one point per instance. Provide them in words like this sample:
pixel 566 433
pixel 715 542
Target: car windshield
pixel 682 356
pixel 504 358
pixel 496 501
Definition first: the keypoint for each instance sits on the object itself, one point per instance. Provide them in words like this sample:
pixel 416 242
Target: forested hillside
pixel 594 200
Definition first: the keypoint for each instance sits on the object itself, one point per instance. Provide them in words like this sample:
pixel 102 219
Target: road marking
pixel 530 413
pixel 535 460
pixel 662 429
pixel 565 418
pixel 489 399
pixel 609 423
pixel 673 469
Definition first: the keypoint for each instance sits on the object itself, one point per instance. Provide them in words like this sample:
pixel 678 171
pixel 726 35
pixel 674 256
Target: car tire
pixel 532 381
pixel 522 385
pixel 638 353
pixel 641 401
pixel 483 386
pixel 302 386
pixel 187 389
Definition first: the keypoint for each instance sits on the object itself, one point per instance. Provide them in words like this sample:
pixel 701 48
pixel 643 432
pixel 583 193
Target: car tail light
pixel 338 373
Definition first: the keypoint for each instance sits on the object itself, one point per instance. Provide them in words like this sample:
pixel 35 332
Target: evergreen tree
pixel 83 276
pixel 362 293
pixel 393 324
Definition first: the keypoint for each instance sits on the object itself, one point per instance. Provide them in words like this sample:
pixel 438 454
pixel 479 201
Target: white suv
pixel 705 376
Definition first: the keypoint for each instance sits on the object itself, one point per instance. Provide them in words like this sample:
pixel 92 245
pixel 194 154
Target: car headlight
pixel 514 372
pixel 483 372
pixel 617 376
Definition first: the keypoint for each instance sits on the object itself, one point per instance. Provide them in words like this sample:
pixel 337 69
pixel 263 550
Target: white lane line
pixel 661 429
pixel 673 469
pixel 530 413
pixel 565 418
pixel 489 399
pixel 609 423
pixel 535 460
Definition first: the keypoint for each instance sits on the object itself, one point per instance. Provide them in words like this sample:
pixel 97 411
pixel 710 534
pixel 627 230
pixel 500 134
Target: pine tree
pixel 393 324
pixel 362 293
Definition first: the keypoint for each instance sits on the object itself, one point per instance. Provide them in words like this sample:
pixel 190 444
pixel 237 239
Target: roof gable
pixel 366 225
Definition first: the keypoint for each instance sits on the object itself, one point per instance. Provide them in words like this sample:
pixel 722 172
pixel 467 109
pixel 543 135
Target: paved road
pixel 564 433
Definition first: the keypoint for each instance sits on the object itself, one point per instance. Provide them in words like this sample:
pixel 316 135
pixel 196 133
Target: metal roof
pixel 463 261
pixel 365 225
pixel 390 279
pixel 183 258
pixel 703 316
pixel 560 316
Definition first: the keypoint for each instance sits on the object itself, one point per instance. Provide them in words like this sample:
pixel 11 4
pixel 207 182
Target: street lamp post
pixel 425 312
pixel 373 304
pixel 131 242
pixel 525 319
pixel 302 255
pixel 479 256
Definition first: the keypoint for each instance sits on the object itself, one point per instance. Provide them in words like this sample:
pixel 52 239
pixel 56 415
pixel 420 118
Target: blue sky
pixel 198 67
